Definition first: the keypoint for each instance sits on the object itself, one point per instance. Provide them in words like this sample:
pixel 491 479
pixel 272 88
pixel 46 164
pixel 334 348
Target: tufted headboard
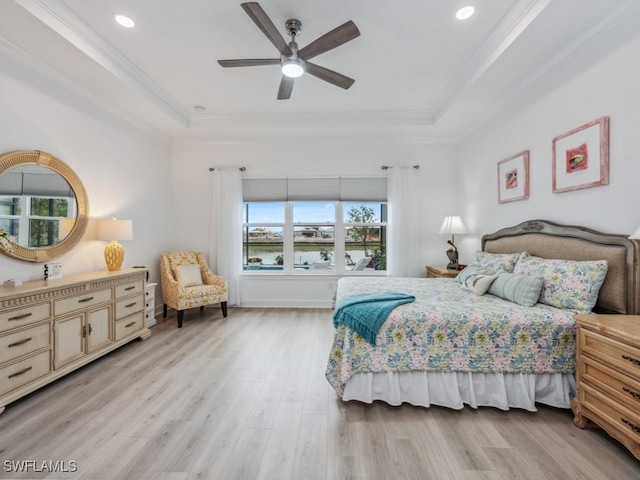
pixel 620 292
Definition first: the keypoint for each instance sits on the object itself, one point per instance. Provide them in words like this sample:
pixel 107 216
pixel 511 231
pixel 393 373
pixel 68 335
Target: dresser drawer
pixel 611 352
pixel 130 288
pixel 24 371
pixel 129 325
pixel 619 417
pixel 129 305
pixel 81 302
pixel 615 384
pixel 25 341
pixel 24 316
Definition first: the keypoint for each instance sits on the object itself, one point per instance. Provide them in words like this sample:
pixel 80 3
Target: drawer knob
pixel 20 372
pixel 635 395
pixel 631 359
pixel 20 317
pixel 632 426
pixel 19 342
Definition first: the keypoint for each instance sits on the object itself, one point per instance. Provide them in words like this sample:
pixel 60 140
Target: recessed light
pixel 465 12
pixel 124 21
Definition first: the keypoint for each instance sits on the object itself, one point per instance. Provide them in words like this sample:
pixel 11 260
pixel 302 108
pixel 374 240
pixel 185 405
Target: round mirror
pixel 43 206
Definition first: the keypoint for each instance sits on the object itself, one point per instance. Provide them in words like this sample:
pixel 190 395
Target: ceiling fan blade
pixel 249 62
pixel 330 76
pixel 335 38
pixel 264 23
pixel 286 86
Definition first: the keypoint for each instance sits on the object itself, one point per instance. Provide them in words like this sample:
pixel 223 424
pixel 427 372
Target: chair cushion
pixel 188 275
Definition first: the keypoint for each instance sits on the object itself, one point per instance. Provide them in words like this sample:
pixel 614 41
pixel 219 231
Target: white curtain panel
pixel 403 246
pixel 225 241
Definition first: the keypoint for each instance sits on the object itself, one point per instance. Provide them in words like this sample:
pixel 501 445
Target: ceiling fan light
pixel 292 68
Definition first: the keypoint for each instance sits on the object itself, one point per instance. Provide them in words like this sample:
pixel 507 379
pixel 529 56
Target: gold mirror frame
pixel 36 157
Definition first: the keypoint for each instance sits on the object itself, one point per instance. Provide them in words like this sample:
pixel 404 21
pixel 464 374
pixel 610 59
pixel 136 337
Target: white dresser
pixel 49 328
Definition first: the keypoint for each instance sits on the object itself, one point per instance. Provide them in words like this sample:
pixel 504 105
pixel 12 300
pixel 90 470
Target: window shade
pixel 34 184
pixel 314 189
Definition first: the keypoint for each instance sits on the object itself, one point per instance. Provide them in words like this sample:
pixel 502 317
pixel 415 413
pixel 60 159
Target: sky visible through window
pixel 313 212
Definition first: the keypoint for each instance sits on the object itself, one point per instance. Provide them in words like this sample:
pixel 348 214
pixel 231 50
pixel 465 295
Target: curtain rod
pixel 385 167
pixel 242 169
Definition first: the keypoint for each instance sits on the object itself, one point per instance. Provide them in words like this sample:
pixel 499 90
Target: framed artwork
pixel 581 157
pixel 513 178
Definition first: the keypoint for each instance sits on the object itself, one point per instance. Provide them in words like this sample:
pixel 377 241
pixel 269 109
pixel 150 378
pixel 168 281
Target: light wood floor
pixel 246 398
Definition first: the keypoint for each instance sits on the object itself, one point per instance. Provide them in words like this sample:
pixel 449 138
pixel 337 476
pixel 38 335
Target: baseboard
pixel 286 304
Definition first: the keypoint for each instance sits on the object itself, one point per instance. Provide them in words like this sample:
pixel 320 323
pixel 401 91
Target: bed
pixel 451 346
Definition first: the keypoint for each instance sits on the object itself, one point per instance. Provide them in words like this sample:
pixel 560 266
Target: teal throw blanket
pixel 366 312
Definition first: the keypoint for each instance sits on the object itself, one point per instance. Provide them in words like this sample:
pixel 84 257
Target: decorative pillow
pixel 521 289
pixel 569 284
pixel 468 271
pixel 496 262
pixel 188 275
pixel 478 283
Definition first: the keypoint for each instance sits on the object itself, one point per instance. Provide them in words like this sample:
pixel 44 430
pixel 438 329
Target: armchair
pixel 187 282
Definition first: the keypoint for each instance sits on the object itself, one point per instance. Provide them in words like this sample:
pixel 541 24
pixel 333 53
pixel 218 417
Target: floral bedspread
pixel 448 329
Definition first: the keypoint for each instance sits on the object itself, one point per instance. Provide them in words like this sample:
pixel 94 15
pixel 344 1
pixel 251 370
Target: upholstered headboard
pixel 620 292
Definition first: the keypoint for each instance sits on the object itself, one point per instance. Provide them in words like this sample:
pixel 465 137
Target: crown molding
pixel 72 28
pixel 53 76
pixel 381 118
pixel 503 36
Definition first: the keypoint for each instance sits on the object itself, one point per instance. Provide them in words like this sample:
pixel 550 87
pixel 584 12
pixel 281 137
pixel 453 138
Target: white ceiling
pixel 420 74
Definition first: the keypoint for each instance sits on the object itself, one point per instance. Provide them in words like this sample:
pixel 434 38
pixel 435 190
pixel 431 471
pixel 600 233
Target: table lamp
pixel 112 231
pixel 451 226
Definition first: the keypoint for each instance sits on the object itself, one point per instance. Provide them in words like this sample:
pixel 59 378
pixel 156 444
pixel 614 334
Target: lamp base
pixel 113 255
pixel 453 266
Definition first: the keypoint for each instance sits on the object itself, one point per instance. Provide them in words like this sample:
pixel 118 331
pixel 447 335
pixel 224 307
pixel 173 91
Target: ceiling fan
pixel 296 62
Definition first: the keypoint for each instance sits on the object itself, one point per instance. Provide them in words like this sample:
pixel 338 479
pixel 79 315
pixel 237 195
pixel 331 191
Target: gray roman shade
pixel 34 184
pixel 315 189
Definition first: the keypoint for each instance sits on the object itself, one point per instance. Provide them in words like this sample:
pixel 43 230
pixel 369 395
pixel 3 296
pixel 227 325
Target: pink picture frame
pixel 513 178
pixel 581 157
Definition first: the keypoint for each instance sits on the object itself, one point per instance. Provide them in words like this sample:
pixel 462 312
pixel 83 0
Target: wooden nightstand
pixel 608 376
pixel 441 272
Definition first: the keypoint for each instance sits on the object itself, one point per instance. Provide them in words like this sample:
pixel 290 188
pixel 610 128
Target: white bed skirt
pixel 453 390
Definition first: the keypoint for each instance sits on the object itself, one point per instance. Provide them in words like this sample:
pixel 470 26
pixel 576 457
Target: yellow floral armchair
pixel 187 282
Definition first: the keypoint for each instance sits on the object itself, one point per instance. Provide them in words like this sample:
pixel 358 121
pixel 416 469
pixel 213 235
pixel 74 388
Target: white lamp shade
pixel 453 225
pixel 114 229
pixel 635 235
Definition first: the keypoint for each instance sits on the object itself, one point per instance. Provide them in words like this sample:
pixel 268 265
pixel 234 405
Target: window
pixel 34 221
pixel 318 237
pixel 314 225
pixel 263 240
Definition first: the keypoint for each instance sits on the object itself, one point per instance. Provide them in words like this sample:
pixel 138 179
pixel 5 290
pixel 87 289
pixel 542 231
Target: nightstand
pixel 441 272
pixel 150 304
pixel 608 376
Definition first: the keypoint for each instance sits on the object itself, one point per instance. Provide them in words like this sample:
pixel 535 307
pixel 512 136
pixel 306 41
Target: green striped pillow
pixel 521 289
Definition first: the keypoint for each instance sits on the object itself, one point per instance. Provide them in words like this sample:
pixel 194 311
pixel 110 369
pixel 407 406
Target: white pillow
pixel 188 275
pixel 478 283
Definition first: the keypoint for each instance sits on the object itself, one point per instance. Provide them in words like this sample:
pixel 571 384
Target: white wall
pixel 192 184
pixel 125 171
pixel 608 87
